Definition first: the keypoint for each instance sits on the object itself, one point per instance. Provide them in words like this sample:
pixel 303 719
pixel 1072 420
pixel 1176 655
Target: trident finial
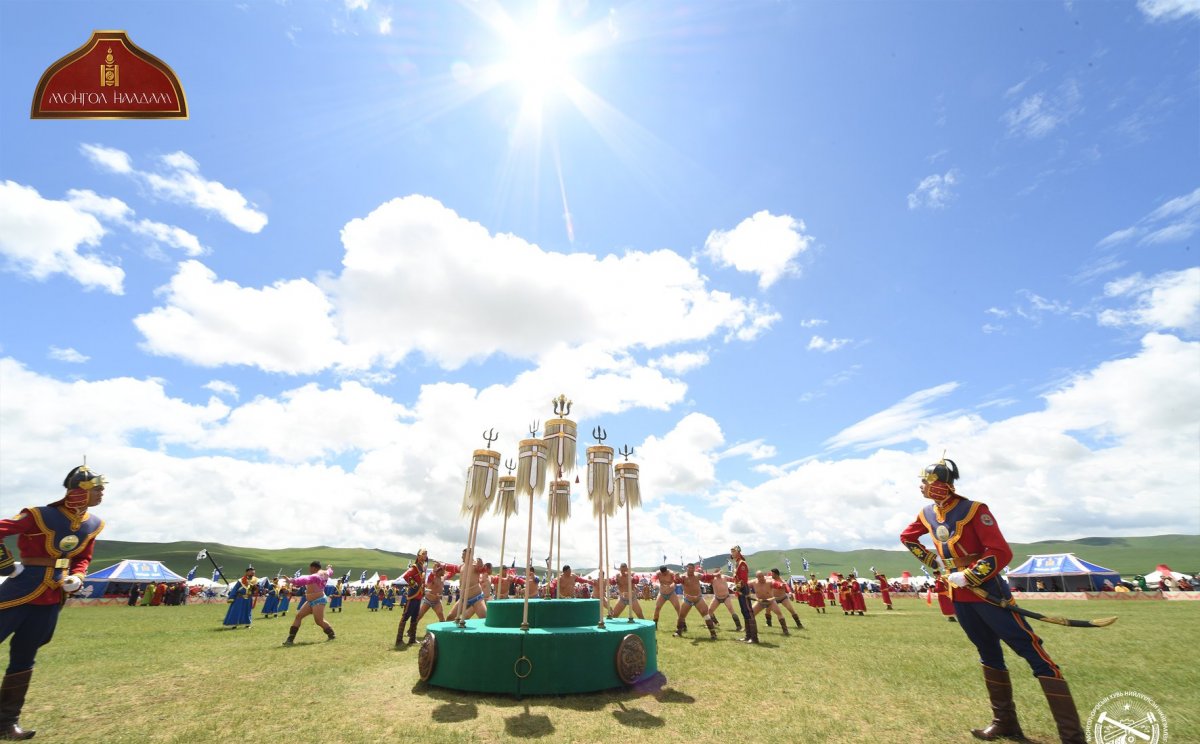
pixel 599 435
pixel 625 451
pixel 510 465
pixel 490 436
pixel 533 428
pixel 562 406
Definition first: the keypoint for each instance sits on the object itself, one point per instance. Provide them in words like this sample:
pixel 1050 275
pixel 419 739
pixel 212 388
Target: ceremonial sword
pixel 1011 605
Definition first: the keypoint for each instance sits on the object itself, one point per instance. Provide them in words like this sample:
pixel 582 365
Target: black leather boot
pixel 12 699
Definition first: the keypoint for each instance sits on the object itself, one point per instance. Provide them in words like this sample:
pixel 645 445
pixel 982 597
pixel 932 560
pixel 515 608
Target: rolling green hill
pixel 1126 555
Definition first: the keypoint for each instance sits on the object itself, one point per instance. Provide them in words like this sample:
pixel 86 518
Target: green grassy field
pixel 171 674
pixel 1126 555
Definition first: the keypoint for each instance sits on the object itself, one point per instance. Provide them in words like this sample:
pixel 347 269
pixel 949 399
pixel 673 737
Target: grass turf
pixel 172 674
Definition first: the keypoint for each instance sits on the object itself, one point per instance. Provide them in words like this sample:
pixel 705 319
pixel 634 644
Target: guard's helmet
pixel 82 478
pixel 944 471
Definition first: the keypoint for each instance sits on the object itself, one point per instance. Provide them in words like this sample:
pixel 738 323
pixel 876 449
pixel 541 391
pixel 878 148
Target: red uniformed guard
pixel 885 591
pixel 55 543
pixel 966 537
pixel 415 592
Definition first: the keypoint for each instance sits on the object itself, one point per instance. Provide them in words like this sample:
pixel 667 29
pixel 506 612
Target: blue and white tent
pixel 1061 572
pixel 124 573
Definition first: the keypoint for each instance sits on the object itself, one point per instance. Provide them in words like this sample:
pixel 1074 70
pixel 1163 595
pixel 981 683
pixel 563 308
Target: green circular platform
pixel 563 652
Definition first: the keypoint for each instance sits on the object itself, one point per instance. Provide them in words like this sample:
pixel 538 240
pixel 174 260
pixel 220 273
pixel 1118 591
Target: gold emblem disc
pixel 68 543
pixel 942 533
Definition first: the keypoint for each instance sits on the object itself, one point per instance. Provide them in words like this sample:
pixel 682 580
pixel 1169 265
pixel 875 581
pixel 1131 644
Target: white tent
pixel 1154 578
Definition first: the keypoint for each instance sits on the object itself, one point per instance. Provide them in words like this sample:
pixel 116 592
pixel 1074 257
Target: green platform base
pixel 563 652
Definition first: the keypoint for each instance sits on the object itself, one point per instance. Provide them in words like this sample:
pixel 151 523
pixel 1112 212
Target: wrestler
pixel 666 591
pixel 566 582
pixel 721 596
pixel 314 593
pixel 414 590
pixel 432 596
pixel 626 588
pixel 474 599
pixel 692 597
pixel 783 597
pixel 764 591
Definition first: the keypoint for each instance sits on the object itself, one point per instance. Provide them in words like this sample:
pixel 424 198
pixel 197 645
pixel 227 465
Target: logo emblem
pixel 68 543
pixel 987 519
pixel 109 77
pixel 1127 716
pixel 942 533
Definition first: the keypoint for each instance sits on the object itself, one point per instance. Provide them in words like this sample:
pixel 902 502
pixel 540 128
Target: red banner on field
pixel 109 77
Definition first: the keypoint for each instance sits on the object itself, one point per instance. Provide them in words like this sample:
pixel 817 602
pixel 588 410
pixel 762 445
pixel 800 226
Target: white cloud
pixel 413 254
pixel 282 328
pixel 934 191
pixel 1175 220
pixel 108 158
pixel 1169 10
pixel 116 211
pixel 385 25
pixel 1041 113
pixel 680 363
pixel 754 450
pixel 892 425
pixel 820 343
pixel 1166 301
pixel 41 237
pixel 67 355
pixel 762 244
pixel 182 183
pixel 221 387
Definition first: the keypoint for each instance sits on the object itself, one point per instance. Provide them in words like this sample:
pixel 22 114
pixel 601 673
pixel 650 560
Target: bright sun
pixel 539 57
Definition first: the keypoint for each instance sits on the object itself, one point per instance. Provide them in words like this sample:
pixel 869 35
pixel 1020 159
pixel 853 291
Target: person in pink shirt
pixel 314 592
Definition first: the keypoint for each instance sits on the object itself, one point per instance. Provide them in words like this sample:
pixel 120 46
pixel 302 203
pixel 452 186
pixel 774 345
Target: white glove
pixel 16 570
pixel 958 578
pixel 72 584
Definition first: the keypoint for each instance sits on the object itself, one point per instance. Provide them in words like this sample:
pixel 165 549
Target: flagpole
pixel 204 552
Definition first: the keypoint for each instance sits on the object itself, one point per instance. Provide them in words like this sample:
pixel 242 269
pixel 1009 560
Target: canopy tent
pixel 118 577
pixel 1155 577
pixel 1061 572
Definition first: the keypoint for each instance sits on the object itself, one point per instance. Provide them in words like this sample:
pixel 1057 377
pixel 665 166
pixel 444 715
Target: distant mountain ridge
pixel 1126 555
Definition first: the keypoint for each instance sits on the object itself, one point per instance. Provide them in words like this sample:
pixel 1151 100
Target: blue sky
pixel 789 252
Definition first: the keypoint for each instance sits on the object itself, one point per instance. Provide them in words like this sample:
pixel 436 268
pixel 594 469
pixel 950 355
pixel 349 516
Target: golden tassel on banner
pixel 628 495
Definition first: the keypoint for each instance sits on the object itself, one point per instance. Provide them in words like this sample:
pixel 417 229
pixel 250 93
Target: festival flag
pixel 202 554
pixel 787 562
pixel 363 577
pixel 216 573
pixel 192 574
pixel 514 564
pixel 297 574
pixel 804 562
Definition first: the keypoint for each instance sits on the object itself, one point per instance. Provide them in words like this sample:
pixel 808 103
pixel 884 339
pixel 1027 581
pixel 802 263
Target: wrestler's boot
pixel 12 699
pixel 768 619
pixel 712 627
pixel 291 639
pixel 1062 707
pixel 783 625
pixel 329 633
pixel 796 618
pixel 737 624
pixel 1004 723
pixel 680 629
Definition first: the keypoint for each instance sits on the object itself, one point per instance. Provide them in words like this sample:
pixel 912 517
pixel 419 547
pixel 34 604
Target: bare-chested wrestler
pixel 722 595
pixel 435 584
pixel 474 599
pixel 564 585
pixel 764 592
pixel 692 597
pixel 314 592
pixel 783 597
pixel 666 579
pixel 626 587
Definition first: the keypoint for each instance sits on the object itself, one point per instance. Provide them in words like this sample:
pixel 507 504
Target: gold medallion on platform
pixel 427 657
pixel 631 659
